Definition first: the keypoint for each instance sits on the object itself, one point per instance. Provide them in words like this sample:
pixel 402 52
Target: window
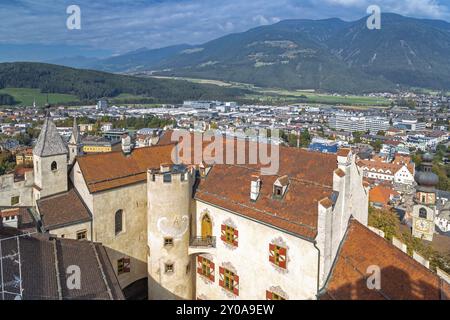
pixel 229 235
pixel 273 296
pixel 15 200
pixel 167 178
pixel 54 166
pixel 277 255
pixel 423 213
pixel 168 268
pixel 278 192
pixel 118 221
pixel 205 268
pixel 82 235
pixel 229 280
pixel 168 242
pixel 123 265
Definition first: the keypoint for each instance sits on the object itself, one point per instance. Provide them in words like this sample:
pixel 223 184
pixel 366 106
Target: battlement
pixel 169 173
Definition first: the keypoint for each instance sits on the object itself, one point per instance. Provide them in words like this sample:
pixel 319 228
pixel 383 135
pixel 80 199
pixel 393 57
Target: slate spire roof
pixel 75 137
pixel 49 142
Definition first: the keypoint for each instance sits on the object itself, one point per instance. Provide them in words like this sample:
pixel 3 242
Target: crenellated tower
pixel 170 269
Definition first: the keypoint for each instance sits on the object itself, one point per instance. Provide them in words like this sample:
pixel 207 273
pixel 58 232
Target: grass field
pixel 25 97
pixel 266 95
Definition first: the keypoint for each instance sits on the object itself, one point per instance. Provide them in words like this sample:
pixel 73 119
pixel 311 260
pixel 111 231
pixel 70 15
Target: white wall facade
pixel 22 189
pixel 250 259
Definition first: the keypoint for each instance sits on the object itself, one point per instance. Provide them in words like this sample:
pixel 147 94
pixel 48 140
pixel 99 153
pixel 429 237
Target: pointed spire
pixel 49 142
pixel 75 137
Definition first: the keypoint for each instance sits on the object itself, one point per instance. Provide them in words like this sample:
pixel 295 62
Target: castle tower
pixel 50 162
pixel 424 208
pixel 75 145
pixel 170 269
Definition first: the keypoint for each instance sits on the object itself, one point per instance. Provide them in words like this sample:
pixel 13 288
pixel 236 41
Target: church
pixel 197 231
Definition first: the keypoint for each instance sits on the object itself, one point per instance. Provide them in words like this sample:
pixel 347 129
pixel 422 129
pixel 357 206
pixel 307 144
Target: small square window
pixel 168 268
pixel 123 265
pixel 82 235
pixel 15 200
pixel 168 242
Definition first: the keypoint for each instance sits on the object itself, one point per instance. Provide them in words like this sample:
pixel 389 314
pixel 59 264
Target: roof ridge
pixel 282 175
pixel 99 264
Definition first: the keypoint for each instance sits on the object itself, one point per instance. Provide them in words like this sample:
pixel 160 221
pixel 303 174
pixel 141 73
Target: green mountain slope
pixel 90 85
pixel 329 55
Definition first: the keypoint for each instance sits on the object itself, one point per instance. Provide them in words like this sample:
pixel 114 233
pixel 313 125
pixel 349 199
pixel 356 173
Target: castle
pixel 197 231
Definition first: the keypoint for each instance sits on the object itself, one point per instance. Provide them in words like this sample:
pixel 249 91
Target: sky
pixel 110 27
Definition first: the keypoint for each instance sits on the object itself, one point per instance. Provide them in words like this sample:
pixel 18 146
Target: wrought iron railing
pixel 203 242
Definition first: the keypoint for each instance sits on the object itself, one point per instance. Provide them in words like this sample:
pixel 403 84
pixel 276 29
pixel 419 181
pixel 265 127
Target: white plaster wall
pixel 70 232
pixel 51 182
pixel 23 189
pixel 251 260
pixel 80 185
pixel 169 216
pixel 132 242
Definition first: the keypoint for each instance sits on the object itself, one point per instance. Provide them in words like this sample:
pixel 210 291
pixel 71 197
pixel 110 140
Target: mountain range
pixel 329 55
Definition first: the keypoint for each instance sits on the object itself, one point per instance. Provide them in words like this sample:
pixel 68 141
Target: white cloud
pixel 124 25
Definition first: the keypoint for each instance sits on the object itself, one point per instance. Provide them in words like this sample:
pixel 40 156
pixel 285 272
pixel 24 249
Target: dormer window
pixel 280 186
pixel 278 191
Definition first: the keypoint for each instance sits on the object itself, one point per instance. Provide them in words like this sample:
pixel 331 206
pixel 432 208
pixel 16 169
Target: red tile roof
pixel 228 186
pixel 381 194
pixel 402 278
pixel 105 171
pixel 110 170
pixel 343 152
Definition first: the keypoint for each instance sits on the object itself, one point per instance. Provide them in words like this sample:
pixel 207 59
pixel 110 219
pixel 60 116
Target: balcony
pixel 200 245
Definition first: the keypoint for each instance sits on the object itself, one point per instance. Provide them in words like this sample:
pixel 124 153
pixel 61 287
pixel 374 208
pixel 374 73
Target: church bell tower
pixel 50 162
pixel 424 209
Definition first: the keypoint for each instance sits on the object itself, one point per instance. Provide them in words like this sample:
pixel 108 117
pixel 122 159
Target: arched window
pixel 118 222
pixel 54 166
pixel 423 213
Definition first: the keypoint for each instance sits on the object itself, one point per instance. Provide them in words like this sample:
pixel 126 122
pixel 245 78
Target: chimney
pixel 126 144
pixel 255 187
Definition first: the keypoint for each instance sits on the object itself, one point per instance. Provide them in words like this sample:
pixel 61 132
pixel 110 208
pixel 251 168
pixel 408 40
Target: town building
pixel 400 171
pixel 192 230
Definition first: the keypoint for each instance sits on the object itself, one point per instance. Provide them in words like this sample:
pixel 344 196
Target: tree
pixel 385 220
pixel 389 223
pixel 305 139
pixel 357 136
pixel 377 145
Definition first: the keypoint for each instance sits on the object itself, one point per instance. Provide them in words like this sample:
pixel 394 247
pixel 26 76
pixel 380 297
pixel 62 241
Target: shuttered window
pixel 205 268
pixel 229 235
pixel 229 280
pixel 277 255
